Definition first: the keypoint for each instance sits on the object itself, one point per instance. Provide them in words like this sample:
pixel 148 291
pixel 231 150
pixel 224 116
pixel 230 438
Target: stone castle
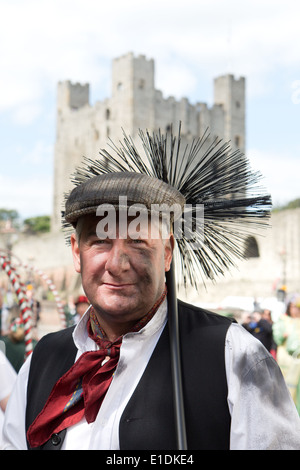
pixel 82 129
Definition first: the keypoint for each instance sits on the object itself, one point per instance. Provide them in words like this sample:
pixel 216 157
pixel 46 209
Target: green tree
pixel 290 205
pixel 9 214
pixel 39 224
pixel 293 204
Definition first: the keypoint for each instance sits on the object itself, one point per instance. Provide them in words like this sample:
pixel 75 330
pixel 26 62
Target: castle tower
pixel 71 96
pixel 230 94
pixel 133 92
pixel 70 99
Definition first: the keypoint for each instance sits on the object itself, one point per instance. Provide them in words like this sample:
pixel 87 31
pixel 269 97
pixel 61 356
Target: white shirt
pixel 263 415
pixel 8 377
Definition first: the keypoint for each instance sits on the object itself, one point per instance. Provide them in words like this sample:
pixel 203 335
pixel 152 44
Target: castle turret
pixel 72 95
pixel 133 92
pixel 230 93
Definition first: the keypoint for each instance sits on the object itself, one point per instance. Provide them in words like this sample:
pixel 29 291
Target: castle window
pixel 141 84
pixel 238 104
pixel 251 248
pixel 237 141
pixel 107 114
pixel 120 86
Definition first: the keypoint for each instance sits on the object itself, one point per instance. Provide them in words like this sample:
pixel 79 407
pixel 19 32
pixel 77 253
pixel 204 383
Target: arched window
pixel 251 248
pixel 237 141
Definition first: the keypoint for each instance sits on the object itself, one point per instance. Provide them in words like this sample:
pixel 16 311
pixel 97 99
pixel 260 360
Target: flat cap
pixel 108 188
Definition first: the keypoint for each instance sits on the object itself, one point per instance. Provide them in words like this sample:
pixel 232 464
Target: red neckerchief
pixel 80 391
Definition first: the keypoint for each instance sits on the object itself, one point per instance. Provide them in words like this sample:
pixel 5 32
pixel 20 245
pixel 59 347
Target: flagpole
pixel 175 359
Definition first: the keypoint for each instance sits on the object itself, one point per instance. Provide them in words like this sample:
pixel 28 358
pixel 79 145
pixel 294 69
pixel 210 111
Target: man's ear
pixel 75 253
pixel 169 248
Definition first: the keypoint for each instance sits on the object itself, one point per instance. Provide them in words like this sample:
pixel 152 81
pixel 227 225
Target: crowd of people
pixel 12 335
pixel 12 332
pixel 281 337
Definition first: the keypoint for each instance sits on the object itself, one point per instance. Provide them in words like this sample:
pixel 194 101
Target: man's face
pixel 122 278
pixel 294 310
pixel 256 316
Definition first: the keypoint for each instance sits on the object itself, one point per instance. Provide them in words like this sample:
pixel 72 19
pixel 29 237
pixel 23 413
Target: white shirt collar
pixel 84 343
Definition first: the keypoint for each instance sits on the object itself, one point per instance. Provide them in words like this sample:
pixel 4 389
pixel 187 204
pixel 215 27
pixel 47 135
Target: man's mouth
pixel 116 286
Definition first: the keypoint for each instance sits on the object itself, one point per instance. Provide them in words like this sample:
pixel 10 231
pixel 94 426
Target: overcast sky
pixel 46 41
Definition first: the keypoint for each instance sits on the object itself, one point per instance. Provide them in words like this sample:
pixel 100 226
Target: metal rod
pixel 175 359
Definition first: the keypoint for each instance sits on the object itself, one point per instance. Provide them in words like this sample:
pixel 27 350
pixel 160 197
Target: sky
pixel 43 42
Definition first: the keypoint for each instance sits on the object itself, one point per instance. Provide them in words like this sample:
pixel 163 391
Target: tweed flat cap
pixel 108 188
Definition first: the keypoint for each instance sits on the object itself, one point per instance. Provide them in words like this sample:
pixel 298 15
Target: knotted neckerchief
pixel 80 391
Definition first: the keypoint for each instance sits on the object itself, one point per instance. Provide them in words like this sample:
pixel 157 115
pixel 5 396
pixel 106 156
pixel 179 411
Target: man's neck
pixel 114 328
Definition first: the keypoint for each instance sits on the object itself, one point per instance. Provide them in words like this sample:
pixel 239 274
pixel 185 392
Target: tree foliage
pixel 295 204
pixel 9 214
pixel 39 224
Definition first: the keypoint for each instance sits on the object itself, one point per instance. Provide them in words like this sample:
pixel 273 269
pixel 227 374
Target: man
pixel 107 384
pixel 260 328
pixel 81 305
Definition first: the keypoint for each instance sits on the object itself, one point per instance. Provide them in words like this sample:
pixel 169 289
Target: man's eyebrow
pixel 91 233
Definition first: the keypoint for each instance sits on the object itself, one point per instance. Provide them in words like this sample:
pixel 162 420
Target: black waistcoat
pixel 148 419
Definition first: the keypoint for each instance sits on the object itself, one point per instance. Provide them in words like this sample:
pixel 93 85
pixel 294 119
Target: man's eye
pixel 101 241
pixel 137 241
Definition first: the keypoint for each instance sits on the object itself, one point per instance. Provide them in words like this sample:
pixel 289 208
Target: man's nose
pixel 117 260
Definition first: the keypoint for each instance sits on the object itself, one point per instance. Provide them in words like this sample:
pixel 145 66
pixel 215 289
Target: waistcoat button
pixel 55 439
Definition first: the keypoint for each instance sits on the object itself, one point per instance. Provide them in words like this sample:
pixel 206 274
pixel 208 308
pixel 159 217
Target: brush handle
pixel 175 359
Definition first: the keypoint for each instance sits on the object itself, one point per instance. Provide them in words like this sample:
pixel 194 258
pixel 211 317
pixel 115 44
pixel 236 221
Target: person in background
pixel 286 333
pixel 34 304
pixel 267 315
pixel 14 342
pixel 7 380
pixel 81 306
pixel 260 329
pixel 282 329
pixel 4 311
